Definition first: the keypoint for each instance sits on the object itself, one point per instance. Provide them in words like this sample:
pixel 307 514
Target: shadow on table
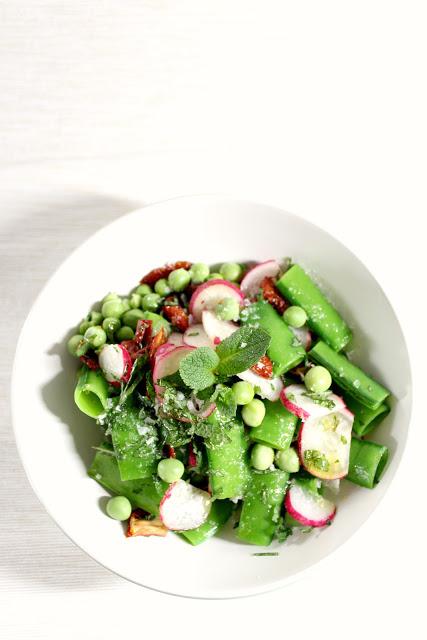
pixel 38 552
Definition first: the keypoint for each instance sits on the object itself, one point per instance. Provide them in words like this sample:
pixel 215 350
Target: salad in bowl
pixel 226 393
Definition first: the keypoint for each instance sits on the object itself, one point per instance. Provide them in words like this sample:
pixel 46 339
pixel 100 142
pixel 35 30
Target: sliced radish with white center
pixel 184 507
pixel 303 335
pixel 196 336
pixel 209 294
pixel 176 339
pixel 167 362
pixel 308 508
pixel 307 405
pixel 216 329
pixel 116 363
pixel 254 277
pixel 268 388
pixel 324 445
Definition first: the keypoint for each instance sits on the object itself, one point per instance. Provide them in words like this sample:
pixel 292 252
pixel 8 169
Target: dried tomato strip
pixel 263 368
pixel 163 272
pixel 271 294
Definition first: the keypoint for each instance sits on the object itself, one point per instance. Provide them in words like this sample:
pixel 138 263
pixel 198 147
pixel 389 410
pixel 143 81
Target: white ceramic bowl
pixel 55 439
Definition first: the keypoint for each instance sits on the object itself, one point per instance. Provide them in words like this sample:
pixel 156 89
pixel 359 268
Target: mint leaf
pixel 241 350
pixel 196 369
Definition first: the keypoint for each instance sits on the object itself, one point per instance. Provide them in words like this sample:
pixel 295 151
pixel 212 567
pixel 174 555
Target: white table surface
pixel 318 107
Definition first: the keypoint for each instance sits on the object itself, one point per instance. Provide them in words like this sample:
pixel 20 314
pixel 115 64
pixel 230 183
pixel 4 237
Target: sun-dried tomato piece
pixel 192 458
pixel 134 350
pixel 271 294
pixel 263 368
pixel 177 316
pixel 171 450
pixel 163 272
pixel 138 525
pixel 143 332
pixel 156 341
pixel 90 361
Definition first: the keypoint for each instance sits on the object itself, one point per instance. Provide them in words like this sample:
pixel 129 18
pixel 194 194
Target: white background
pixel 318 107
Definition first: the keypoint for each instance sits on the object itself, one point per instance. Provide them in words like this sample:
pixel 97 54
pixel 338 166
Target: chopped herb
pixel 316 459
pixel 320 398
pixel 344 440
pixel 266 553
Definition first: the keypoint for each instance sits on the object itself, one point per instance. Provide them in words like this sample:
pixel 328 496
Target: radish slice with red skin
pixel 303 335
pixel 296 400
pixel 116 363
pixel 215 328
pixel 268 388
pixel 209 294
pixel 176 339
pixel 252 280
pixel 184 507
pixel 201 414
pixel 167 362
pixel 196 336
pixel 308 508
pixel 324 445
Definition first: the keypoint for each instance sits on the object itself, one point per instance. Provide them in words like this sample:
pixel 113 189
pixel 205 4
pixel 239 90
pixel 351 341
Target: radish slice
pixel 303 335
pixel 196 336
pixel 167 362
pixel 216 329
pixel 184 507
pixel 308 508
pixel 324 445
pixel 252 280
pixel 209 294
pixel 176 339
pixel 268 388
pixel 296 400
pixel 201 414
pixel 116 363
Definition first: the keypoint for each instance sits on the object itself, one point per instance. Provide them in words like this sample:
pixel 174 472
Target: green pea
pixel 231 271
pixel 131 317
pixel 96 336
pixel 162 288
pixel 135 300
pixel 158 321
pixel 82 347
pixel 227 309
pixel 170 469
pixel 287 460
pixel 110 326
pixel 126 304
pixel 119 508
pixel 317 379
pixel 84 326
pixel 262 457
pixel 150 302
pixel 110 296
pixel 94 317
pixel 143 289
pixel 215 276
pixel 199 272
pixel 125 333
pixel 295 317
pixel 113 308
pixel 73 344
pixel 243 392
pixel 179 279
pixel 253 413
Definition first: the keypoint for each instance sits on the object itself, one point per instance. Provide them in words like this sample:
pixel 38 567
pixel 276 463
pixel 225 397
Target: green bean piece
pixel 218 516
pixel 228 463
pixel 365 420
pixel 158 322
pixel 261 506
pixel 284 350
pixel 349 377
pixel 323 318
pixel 367 462
pixel 278 427
pixel 91 392
pixel 144 493
pixel 135 443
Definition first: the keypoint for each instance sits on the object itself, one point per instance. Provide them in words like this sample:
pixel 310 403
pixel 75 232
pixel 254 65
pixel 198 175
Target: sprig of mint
pixel 241 350
pixel 197 368
pixel 200 368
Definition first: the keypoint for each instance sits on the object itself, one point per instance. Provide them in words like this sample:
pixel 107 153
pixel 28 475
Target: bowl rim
pixel 242 592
